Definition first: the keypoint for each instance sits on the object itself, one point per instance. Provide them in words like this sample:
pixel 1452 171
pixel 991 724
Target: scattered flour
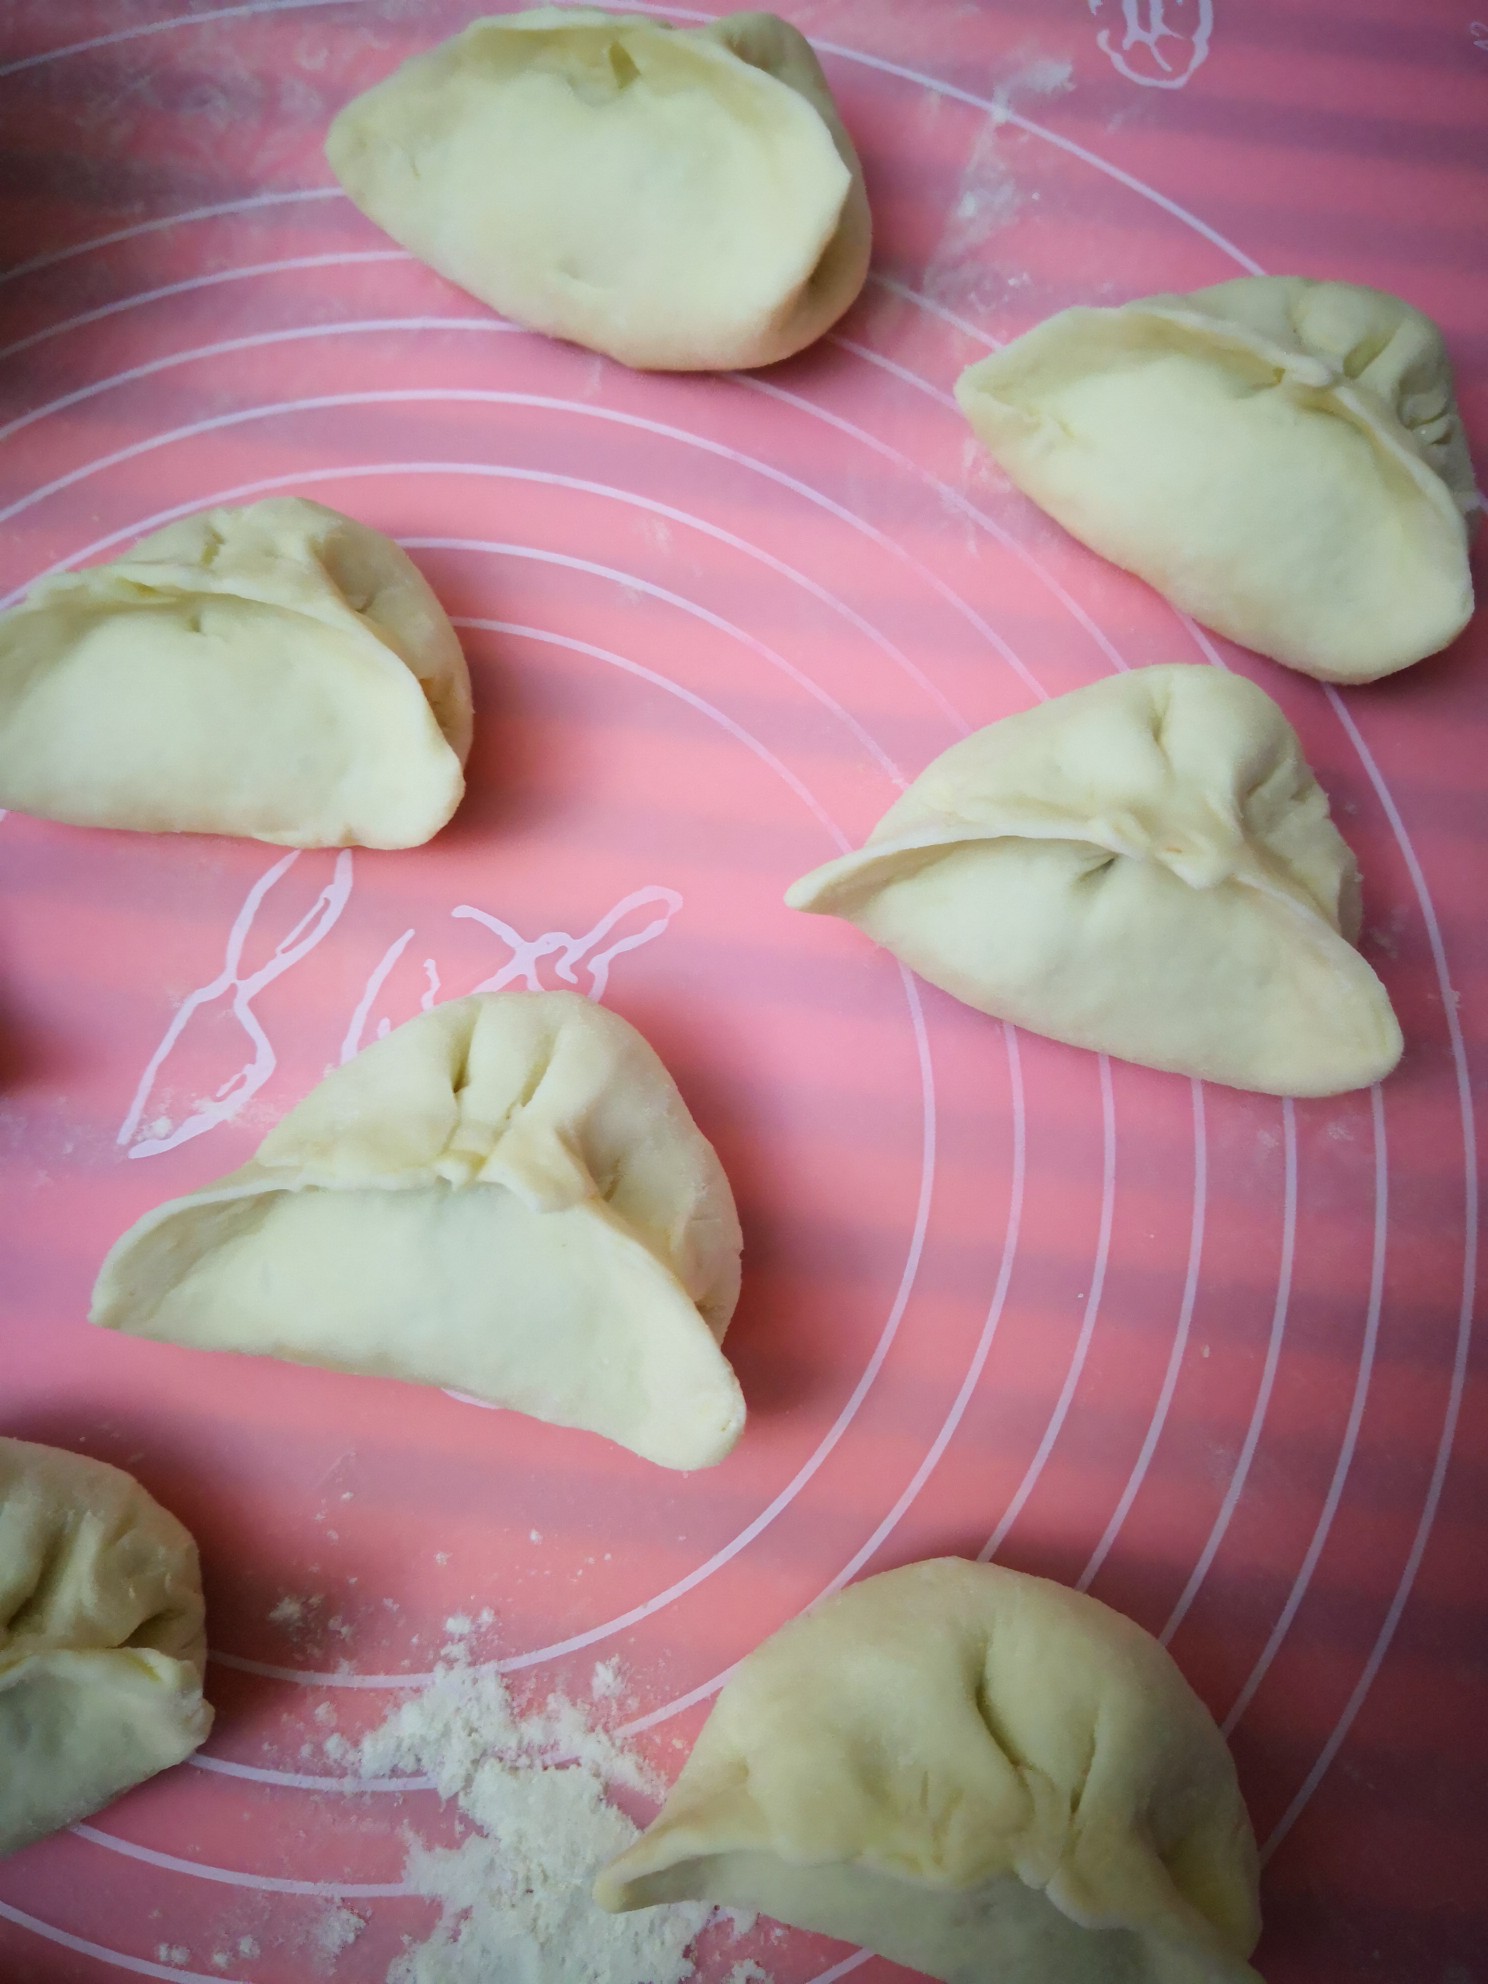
pixel 247 1947
pixel 962 271
pixel 173 1953
pixel 748 1972
pixel 1041 77
pixel 607 1681
pixel 337 1930
pixel 288 1612
pixel 514 1894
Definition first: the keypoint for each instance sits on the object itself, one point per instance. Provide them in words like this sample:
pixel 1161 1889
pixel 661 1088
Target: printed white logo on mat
pixel 579 963
pixel 229 997
pixel 1153 51
pixel 246 1054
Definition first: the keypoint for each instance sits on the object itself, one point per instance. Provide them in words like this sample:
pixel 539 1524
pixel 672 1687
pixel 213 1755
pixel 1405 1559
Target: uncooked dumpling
pixel 506 1197
pixel 1282 458
pixel 101 1639
pixel 973 1772
pixel 278 671
pixel 684 199
pixel 1145 867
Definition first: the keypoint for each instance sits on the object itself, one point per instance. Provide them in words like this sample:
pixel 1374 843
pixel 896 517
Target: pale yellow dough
pixel 1282 458
pixel 684 199
pixel 1145 867
pixel 975 1773
pixel 278 671
pixel 506 1197
pixel 102 1645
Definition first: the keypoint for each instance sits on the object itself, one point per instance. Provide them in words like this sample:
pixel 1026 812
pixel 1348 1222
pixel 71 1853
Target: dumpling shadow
pixel 31 1052
pixel 154 1450
pixel 760 1334
pixel 502 788
pixel 174 1462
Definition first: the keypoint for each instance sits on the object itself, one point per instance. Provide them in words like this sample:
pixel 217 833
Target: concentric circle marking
pixel 1252 1439
pixel 1279 1315
pixel 1159 1418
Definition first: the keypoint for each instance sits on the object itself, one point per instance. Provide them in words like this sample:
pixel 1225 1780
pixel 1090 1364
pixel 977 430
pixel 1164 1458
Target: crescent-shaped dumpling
pixel 278 671
pixel 102 1646
pixel 1283 459
pixel 505 1197
pixel 684 199
pixel 975 1773
pixel 1145 867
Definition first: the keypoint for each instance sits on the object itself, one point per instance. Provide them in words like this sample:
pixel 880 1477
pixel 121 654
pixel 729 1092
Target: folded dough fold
pixel 682 199
pixel 1281 458
pixel 1145 867
pixel 505 1197
pixel 102 1646
pixel 278 671
pixel 975 1773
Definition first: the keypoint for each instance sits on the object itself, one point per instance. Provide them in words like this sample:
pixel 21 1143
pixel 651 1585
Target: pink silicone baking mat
pixel 1205 1354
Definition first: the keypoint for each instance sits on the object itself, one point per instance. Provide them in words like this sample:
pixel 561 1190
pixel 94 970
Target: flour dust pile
pixel 514 1894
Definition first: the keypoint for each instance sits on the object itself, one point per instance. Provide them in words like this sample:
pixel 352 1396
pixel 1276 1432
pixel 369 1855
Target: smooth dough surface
pixel 682 199
pixel 1145 867
pixel 278 671
pixel 102 1644
pixel 1283 459
pixel 505 1197
pixel 973 1772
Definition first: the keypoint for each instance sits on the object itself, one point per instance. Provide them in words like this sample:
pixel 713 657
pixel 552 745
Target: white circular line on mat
pixel 890 365
pixel 547 478
pixel 1169 1385
pixel 843 1969
pixel 494 323
pixel 231 1877
pixel 141 1966
pixel 1351 1431
pixel 1439 959
pixel 214 280
pixel 161 27
pixel 228 348
pixel 963 507
pixel 652 591
pixel 1062 1404
pixel 952 1420
pixel 164 222
pixel 684 695
pixel 1268 1377
pixel 311 1678
pixel 907 295
pixel 1001 113
pixel 1463 1346
pixel 461 395
pixel 974 1369
pixel 960 503
pixel 290 1780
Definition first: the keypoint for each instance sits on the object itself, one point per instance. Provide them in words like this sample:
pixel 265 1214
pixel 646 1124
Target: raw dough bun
pixel 1145 867
pixel 278 671
pixel 1282 458
pixel 685 199
pixel 101 1639
pixel 506 1197
pixel 973 1772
